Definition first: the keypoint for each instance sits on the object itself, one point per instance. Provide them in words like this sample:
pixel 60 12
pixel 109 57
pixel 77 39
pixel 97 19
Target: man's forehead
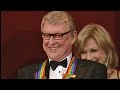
pixel 55 23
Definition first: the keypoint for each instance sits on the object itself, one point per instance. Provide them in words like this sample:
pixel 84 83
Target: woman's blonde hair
pixel 103 39
pixel 59 17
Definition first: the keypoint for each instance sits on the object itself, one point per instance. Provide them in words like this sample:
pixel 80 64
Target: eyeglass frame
pixel 54 35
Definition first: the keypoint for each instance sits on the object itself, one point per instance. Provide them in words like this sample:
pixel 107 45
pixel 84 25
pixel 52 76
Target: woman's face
pixel 93 52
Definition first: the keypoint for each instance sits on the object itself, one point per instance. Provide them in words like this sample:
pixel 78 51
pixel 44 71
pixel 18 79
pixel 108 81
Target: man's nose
pixel 51 40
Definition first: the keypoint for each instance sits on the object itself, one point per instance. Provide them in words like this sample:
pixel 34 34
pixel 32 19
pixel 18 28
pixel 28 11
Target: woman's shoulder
pixel 113 74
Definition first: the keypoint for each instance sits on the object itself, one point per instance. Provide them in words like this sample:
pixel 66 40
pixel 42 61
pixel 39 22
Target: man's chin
pixel 53 57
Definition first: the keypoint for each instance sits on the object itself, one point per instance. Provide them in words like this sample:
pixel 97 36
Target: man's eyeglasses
pixel 57 36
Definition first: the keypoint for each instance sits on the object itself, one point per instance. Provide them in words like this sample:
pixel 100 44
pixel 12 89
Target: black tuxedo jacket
pixel 85 69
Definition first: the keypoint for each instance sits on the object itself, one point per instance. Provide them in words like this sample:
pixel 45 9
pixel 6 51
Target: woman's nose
pixel 88 56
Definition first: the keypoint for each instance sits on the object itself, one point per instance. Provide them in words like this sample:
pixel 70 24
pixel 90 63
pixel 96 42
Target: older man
pixel 59 34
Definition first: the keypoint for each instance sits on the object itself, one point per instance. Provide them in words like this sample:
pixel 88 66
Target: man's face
pixel 57 49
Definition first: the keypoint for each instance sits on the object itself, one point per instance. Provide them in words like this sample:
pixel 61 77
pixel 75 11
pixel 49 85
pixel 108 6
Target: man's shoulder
pixel 33 66
pixel 89 62
pixel 94 69
pixel 27 71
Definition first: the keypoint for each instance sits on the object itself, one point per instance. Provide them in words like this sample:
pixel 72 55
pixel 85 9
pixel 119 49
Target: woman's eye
pixel 82 52
pixel 94 50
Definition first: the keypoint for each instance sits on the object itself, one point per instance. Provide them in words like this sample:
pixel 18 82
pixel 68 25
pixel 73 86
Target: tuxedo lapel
pixel 47 68
pixel 80 70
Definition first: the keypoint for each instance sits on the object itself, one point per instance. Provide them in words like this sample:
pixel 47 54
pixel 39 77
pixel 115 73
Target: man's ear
pixel 74 35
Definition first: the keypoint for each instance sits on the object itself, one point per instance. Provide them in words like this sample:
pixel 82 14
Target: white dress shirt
pixel 60 70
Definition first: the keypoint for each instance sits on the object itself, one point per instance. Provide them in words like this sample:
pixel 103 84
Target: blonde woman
pixel 94 43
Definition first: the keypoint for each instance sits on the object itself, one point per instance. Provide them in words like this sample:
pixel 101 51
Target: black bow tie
pixel 54 64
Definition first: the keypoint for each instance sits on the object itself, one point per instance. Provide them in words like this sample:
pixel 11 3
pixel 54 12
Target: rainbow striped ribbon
pixel 41 73
pixel 69 74
pixel 71 69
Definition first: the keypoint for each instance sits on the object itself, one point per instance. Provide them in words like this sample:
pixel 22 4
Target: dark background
pixel 21 42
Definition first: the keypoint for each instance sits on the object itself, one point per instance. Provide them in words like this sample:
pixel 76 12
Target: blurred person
pixel 94 43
